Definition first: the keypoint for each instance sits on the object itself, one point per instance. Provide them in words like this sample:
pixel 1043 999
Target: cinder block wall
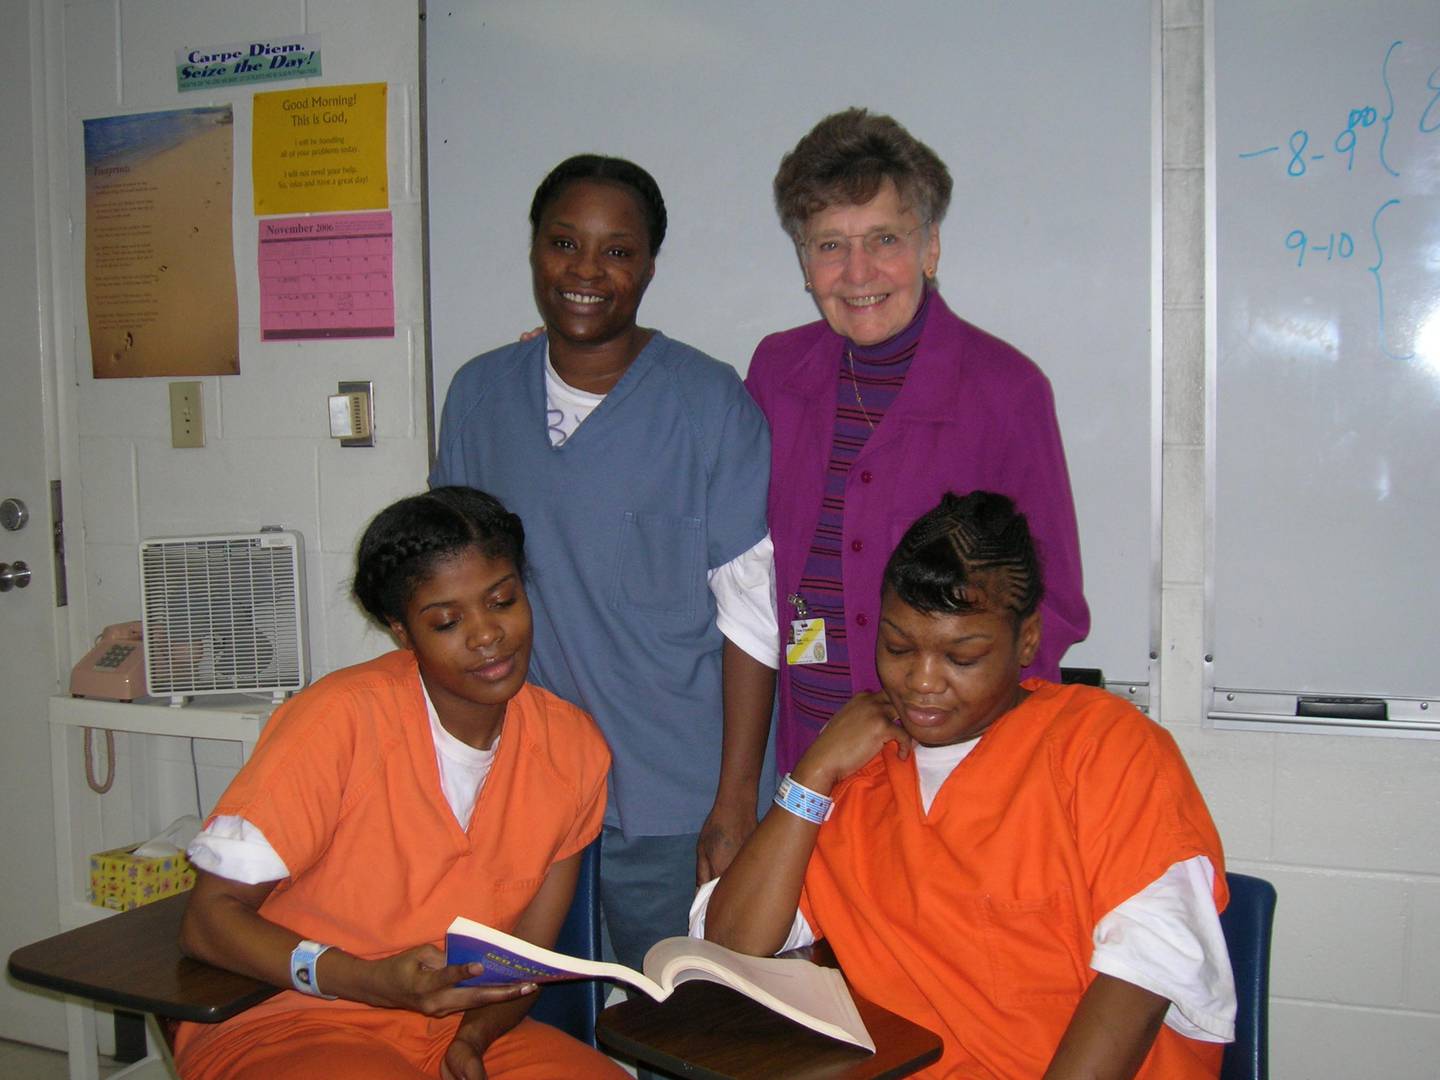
pixel 268 458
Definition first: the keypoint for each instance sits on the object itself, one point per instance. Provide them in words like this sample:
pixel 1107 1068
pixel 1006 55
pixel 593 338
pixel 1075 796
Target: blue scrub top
pixel 665 480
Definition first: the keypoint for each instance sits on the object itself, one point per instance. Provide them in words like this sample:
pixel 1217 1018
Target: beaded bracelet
pixel 795 797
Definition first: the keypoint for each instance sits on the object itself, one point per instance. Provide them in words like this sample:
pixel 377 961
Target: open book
pixel 807 993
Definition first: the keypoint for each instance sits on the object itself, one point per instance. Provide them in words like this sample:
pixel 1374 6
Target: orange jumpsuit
pixel 976 920
pixel 345 786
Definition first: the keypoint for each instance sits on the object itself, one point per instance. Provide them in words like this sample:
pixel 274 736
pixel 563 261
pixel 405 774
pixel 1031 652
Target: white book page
pixel 814 996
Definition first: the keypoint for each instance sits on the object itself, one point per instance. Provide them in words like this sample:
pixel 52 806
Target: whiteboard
pixel 1325 332
pixel 1043 112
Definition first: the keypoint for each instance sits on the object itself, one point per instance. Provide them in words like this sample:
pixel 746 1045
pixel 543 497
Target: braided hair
pixel 971 553
pixel 403 543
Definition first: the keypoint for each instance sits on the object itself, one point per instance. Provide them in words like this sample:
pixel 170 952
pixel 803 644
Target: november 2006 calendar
pixel 326 276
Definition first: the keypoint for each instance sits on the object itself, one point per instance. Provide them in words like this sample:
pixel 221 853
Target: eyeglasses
pixel 881 245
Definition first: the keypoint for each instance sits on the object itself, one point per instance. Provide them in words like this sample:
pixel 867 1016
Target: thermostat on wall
pixel 352 414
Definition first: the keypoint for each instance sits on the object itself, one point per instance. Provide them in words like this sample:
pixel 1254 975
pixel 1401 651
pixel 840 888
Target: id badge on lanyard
pixel 807 635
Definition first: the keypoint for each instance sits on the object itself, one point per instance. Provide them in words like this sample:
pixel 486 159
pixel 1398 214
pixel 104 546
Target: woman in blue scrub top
pixel 639 466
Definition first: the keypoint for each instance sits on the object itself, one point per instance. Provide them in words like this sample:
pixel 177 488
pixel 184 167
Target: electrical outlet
pixel 187 421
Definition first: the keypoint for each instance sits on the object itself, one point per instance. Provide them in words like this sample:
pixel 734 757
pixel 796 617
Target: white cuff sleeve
pixel 744 591
pixel 1167 939
pixel 230 847
pixel 800 932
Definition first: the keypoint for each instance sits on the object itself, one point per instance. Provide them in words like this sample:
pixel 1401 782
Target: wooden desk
pixel 132 961
pixel 711 1032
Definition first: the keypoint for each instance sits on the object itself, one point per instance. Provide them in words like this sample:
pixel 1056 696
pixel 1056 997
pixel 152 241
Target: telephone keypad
pixel 114 656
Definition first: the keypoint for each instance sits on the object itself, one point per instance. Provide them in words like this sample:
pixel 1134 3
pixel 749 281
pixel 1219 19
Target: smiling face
pixel 468 623
pixel 949 677
pixel 869 297
pixel 590 262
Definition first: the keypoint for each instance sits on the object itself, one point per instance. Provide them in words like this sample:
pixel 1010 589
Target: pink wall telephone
pixel 114 670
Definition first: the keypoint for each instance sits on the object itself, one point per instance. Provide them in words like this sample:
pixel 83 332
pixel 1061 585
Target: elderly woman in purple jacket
pixel 881 408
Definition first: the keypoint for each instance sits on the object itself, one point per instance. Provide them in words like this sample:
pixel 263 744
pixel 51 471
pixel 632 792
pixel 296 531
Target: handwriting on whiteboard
pixel 1367 128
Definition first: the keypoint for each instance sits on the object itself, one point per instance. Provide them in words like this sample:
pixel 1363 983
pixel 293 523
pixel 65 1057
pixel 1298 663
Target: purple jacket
pixel 974 413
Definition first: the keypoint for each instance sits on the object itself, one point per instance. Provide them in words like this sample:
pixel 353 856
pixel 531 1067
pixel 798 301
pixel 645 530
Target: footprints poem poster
pixel 159 263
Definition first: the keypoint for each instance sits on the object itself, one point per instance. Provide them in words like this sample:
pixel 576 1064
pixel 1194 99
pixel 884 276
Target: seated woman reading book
pixel 385 800
pixel 1026 869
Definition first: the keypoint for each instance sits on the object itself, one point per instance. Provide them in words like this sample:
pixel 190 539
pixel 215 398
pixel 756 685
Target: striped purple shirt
pixel 818 690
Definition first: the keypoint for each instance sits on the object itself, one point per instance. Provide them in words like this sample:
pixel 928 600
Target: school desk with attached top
pixel 133 961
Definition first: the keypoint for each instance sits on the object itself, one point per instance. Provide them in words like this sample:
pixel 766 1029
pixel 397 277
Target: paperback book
pixel 806 993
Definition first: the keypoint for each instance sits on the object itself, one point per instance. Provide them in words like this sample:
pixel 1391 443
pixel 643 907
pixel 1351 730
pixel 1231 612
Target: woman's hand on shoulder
pixel 418 979
pixel 853 736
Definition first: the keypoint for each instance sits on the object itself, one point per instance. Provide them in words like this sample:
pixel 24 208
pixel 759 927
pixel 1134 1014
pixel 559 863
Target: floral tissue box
pixel 121 880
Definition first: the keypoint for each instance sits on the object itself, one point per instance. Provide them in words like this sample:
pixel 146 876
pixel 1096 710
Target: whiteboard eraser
pixel 1343 708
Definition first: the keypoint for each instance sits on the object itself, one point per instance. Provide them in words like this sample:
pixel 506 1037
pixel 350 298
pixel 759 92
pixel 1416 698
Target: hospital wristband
pixel 302 969
pixel 795 797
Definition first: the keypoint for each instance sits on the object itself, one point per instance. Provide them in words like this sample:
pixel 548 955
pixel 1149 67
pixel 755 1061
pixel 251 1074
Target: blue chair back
pixel 574 1006
pixel 1247 923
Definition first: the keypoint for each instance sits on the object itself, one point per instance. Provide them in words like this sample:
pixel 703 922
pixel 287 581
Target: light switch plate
pixel 187 420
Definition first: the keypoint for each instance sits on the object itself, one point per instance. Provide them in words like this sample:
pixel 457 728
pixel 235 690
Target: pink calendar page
pixel 326 276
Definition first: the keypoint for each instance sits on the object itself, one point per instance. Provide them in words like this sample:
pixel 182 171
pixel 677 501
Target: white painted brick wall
pixel 268 458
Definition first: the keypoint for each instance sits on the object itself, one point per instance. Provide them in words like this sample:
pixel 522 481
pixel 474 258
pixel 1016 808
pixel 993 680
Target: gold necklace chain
pixel 855 385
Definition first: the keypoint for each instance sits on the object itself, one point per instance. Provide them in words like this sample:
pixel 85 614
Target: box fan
pixel 224 614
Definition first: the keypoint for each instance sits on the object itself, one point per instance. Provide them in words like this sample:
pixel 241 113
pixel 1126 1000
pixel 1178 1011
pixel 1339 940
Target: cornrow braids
pixel 970 553
pixel 401 546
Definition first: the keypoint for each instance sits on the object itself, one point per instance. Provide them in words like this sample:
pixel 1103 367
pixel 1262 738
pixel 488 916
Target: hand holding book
pixel 811 995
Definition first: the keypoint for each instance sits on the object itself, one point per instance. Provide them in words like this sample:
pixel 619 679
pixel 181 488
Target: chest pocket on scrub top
pixel 658 564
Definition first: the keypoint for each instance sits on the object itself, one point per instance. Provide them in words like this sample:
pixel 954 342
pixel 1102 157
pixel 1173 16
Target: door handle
pixel 13 514
pixel 14 575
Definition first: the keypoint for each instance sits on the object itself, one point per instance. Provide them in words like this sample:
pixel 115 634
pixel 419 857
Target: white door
pixel 27 615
